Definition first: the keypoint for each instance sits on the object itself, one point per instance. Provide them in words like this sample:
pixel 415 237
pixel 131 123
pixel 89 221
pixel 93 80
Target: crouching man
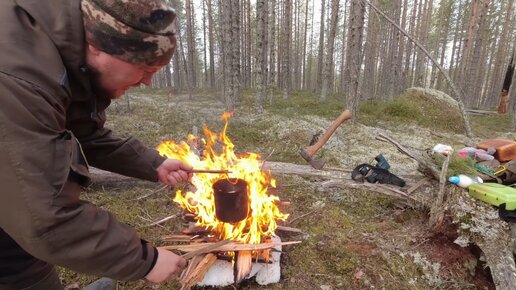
pixel 61 64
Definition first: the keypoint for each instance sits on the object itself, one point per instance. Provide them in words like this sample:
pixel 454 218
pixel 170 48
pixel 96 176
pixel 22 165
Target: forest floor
pixel 352 239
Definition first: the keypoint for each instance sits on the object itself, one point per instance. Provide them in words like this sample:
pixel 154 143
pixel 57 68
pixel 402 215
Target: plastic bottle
pixel 465 180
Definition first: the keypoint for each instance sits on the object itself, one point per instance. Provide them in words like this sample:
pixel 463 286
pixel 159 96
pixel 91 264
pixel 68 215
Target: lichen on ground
pixel 352 239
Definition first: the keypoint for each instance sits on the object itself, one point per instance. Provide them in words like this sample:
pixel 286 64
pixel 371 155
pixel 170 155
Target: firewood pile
pixel 214 262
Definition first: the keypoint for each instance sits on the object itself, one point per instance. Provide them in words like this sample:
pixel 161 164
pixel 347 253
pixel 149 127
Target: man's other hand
pixel 173 171
pixel 168 266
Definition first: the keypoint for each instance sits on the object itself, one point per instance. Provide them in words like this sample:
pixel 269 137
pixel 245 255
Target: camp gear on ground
pixel 364 171
pixel 506 215
pixel 382 163
pixel 465 181
pixel 505 149
pixel 443 149
pixel 494 194
pixel 477 154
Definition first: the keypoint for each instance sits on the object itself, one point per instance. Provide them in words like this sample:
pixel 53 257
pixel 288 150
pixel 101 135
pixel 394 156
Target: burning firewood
pixel 209 247
pixel 230 247
pixel 195 274
pixel 243 265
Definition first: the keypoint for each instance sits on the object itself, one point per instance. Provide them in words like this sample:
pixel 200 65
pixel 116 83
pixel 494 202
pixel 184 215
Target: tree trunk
pixel 211 39
pixel 204 38
pixel 353 57
pixel 272 45
pixel 409 53
pixel 330 45
pixel 262 13
pixel 500 59
pixel 371 57
pixel 303 54
pixel 310 61
pixel 286 54
pixel 504 94
pixel 190 38
pixel 466 62
pixel 457 37
pixel 230 13
pixel 320 54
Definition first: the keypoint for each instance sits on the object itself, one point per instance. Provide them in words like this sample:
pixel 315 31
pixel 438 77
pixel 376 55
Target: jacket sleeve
pixel 103 150
pixel 39 209
pixel 124 156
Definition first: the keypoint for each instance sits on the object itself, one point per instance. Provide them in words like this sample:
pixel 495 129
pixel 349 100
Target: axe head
pixel 315 163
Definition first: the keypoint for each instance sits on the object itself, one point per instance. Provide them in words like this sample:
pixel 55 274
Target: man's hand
pixel 173 171
pixel 168 266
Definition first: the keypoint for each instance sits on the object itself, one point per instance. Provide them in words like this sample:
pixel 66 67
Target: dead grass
pixel 352 239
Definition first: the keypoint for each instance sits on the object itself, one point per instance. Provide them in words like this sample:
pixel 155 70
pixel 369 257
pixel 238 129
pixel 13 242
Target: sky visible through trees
pixel 346 48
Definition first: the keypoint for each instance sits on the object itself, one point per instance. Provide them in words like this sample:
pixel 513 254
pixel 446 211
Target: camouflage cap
pixel 135 31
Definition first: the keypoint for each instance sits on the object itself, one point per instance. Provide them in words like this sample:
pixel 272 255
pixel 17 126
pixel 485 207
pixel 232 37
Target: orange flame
pixel 263 209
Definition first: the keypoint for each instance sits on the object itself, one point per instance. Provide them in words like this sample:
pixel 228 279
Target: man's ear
pixel 93 50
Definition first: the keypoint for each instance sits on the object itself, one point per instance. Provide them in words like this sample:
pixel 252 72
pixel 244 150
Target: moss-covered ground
pixel 352 239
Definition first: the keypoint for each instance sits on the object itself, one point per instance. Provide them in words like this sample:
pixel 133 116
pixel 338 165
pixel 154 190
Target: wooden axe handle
pixel 344 116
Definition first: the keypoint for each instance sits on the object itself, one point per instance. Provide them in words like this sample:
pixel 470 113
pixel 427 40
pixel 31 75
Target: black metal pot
pixel 231 200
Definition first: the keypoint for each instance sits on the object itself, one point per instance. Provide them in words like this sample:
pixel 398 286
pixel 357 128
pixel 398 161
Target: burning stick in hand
pixel 210 171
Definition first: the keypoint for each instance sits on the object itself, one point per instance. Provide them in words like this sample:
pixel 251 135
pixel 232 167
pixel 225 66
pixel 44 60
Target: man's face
pixel 113 77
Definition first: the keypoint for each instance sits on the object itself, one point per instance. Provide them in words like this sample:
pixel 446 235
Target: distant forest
pixel 353 50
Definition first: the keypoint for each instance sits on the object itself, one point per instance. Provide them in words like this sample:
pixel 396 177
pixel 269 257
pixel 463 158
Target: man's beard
pixel 98 89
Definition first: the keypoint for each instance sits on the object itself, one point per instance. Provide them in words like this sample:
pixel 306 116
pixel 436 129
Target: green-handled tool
pixel 494 194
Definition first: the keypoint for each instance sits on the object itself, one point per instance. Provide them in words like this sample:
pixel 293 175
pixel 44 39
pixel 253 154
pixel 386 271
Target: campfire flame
pixel 263 209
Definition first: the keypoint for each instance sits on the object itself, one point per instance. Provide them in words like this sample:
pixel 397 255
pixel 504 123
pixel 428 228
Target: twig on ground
pixel 162 220
pixel 288 229
pixel 160 189
pixel 418 185
pixel 302 216
pixel 265 159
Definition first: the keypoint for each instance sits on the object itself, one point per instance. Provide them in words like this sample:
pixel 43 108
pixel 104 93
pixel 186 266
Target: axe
pixel 308 152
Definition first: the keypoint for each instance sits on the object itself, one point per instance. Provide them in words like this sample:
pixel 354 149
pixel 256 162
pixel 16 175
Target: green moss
pixel 301 103
pixel 489 126
pixel 411 108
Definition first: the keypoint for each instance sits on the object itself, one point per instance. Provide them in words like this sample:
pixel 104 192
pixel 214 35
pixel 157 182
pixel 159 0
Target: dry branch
pixel 288 229
pixel 379 188
pixel 428 167
pixel 158 222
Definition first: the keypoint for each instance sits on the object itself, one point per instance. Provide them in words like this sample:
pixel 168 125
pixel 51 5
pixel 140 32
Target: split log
pixel 231 247
pixel 177 238
pixel 196 275
pixel 206 249
pixel 243 265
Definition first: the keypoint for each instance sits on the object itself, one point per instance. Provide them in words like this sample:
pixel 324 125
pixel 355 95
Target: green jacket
pixel 47 112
